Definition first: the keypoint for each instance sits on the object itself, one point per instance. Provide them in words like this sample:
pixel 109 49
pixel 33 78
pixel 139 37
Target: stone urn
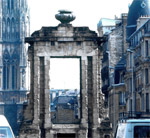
pixel 65 16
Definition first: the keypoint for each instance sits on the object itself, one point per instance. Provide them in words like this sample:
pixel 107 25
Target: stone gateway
pixel 63 41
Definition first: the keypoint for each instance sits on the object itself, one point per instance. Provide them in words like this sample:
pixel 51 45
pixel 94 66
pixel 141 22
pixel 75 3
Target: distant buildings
pixel 65 106
pixel 112 83
pixel 125 64
pixel 106 25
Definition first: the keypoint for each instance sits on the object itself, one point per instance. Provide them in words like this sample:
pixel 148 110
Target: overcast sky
pixel 65 73
pixel 87 12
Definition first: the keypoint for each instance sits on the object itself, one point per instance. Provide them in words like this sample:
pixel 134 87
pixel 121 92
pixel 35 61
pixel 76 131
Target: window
pixel 142 102
pixel 121 98
pixel 52 43
pixel 59 135
pixel 137 81
pixel 8 28
pixel 12 4
pixel 146 49
pixel 130 85
pixel 6 75
pixel 141 131
pixel 147 102
pixel 5 132
pixel 6 69
pixel 78 43
pixel 14 77
pixel 106 136
pixel 146 76
pixel 8 4
pixel 149 26
pixel 13 28
pixel 130 106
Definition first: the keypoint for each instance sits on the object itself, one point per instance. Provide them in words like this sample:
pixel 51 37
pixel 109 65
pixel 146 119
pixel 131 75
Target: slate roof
pixel 137 9
pixel 66 99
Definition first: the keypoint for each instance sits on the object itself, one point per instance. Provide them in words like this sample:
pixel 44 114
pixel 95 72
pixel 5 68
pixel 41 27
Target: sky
pixel 87 12
pixel 65 74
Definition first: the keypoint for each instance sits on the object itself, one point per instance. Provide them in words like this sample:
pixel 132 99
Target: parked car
pixel 133 128
pixel 5 128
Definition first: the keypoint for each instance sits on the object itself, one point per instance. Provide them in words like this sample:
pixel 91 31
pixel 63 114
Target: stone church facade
pixel 14 27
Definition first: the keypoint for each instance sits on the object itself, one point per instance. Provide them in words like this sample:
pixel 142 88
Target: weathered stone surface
pixel 65 41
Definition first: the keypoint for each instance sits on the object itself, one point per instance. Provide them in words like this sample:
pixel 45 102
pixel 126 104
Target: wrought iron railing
pixel 133 114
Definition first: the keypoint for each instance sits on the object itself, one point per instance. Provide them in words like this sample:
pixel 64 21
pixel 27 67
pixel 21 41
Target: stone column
pixel 36 94
pixel 47 118
pixel 95 97
pixel 82 133
pixel 84 110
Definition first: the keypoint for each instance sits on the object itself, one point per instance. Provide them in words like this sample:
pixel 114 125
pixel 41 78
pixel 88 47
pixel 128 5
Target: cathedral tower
pixel 14 27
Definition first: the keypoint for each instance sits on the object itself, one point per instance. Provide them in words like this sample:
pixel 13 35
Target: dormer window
pixel 52 43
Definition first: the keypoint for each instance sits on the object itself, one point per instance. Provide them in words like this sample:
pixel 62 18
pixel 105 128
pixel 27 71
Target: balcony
pixel 133 114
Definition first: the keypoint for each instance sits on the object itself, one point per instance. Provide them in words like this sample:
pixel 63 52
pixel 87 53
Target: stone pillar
pixel 31 128
pixel 82 133
pixel 36 95
pixel 95 96
pixel 47 118
pixel 84 110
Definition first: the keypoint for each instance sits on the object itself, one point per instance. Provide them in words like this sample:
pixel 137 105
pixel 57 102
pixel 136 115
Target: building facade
pixel 138 40
pixel 113 51
pixel 137 76
pixel 125 84
pixel 14 26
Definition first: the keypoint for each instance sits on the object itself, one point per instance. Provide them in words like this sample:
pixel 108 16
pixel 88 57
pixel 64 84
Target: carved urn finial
pixel 65 16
